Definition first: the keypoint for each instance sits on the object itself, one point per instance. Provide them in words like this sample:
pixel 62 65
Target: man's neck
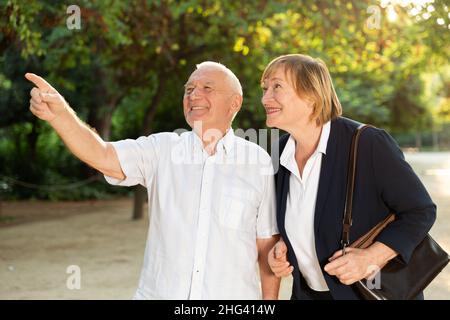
pixel 210 137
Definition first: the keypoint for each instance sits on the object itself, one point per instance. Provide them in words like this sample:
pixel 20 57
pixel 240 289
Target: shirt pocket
pixel 237 210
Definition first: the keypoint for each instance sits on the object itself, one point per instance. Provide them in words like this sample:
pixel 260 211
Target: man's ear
pixel 236 103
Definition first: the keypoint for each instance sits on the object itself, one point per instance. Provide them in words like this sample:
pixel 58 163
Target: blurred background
pixel 122 65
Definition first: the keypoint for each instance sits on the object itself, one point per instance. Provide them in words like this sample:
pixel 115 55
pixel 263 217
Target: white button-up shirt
pixel 300 208
pixel 206 213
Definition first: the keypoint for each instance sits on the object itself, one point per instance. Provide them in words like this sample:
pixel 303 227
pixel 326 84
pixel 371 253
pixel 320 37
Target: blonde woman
pixel 299 97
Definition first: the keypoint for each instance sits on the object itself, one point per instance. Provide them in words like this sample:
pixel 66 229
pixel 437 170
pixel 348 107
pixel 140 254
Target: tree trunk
pixel 101 112
pixel 140 192
pixel 32 138
pixel 100 118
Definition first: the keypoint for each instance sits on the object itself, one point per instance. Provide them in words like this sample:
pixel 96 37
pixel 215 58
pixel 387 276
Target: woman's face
pixel 284 108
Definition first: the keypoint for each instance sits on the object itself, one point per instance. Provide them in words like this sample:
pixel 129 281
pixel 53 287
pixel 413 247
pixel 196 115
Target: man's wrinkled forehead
pixel 206 75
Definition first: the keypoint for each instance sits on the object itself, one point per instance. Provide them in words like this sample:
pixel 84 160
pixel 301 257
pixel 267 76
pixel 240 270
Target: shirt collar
pixel 288 152
pixel 225 143
pixel 289 149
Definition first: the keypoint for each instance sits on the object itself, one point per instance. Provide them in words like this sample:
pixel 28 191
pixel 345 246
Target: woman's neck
pixel 307 136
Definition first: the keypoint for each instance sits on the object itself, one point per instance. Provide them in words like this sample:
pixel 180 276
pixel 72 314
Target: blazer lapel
pixel 326 173
pixel 283 185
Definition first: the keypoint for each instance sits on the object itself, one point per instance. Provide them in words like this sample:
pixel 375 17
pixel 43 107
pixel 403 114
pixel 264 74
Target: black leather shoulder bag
pixel 397 281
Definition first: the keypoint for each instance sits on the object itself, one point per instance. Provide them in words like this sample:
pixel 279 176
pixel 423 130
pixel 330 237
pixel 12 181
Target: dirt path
pixel 40 240
pixel 103 241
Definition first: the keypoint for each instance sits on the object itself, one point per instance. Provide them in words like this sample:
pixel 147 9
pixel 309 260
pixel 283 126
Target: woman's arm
pixel 403 193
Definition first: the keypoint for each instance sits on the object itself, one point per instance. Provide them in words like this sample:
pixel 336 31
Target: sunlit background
pixel 121 65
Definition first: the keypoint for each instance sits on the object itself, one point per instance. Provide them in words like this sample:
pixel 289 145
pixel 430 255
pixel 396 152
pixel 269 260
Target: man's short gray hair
pixel 233 80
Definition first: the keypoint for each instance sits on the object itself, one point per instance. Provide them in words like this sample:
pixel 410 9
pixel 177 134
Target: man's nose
pixel 194 94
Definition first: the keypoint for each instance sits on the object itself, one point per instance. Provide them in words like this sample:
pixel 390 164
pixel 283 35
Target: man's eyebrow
pixel 206 83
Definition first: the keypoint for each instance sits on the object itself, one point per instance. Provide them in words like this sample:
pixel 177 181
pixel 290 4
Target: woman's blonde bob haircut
pixel 311 79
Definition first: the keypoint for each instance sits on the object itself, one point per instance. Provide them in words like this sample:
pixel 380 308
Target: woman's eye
pixel 207 88
pixel 189 90
pixel 264 89
pixel 276 86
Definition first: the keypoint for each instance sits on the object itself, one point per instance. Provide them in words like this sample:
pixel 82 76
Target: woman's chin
pixel 270 122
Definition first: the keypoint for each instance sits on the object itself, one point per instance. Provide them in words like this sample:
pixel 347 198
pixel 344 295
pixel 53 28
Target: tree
pixel 123 72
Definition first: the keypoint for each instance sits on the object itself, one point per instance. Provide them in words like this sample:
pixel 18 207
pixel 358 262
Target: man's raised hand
pixel 45 103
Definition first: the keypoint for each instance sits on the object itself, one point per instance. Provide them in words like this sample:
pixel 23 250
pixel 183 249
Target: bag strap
pixel 347 222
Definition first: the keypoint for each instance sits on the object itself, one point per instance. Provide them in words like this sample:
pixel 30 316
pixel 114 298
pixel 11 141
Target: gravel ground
pixel 39 241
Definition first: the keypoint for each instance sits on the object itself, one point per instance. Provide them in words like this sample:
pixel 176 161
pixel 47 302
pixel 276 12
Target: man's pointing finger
pixel 38 81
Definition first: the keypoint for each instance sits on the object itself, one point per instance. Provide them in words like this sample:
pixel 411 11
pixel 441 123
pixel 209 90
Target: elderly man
pixel 212 218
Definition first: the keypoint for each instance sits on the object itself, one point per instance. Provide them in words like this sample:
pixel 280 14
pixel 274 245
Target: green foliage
pixel 124 71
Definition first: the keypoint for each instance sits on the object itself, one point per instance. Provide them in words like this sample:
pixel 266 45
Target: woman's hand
pixel 277 259
pixel 359 264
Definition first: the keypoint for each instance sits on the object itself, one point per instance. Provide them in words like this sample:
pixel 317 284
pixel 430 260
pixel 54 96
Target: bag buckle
pixel 344 244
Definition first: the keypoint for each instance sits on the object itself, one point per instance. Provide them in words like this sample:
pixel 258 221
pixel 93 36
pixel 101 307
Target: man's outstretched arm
pixel 47 104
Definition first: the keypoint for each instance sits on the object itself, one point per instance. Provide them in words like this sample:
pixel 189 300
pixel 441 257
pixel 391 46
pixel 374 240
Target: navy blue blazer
pixel 384 183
